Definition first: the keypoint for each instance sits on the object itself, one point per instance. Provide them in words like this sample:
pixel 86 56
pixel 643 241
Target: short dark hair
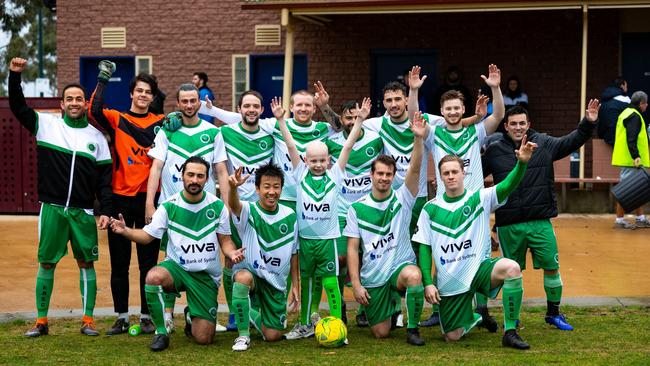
pixel 268 170
pixel 186 87
pixel 451 95
pixel 515 110
pixel 448 158
pixel 203 76
pixel 384 159
pixel 394 86
pixel 196 160
pixel 619 82
pixel 254 93
pixel 350 104
pixel 73 85
pixel 145 78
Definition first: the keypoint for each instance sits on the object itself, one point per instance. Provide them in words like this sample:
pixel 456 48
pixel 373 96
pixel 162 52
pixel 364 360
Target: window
pixel 239 77
pixel 143 64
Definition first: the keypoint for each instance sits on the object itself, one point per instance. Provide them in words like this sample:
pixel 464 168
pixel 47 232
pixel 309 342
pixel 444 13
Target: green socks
pixel 44 285
pixel 306 285
pixel 480 299
pixel 331 286
pixel 241 307
pixel 553 289
pixel 513 292
pixel 88 288
pixel 316 294
pixel 156 303
pixel 414 304
pixel 228 287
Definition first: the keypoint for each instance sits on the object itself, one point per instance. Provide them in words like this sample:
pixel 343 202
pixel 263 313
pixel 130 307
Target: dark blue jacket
pixel 610 108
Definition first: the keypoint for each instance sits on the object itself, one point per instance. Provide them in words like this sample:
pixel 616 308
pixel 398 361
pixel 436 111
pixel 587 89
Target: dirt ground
pixel 595 260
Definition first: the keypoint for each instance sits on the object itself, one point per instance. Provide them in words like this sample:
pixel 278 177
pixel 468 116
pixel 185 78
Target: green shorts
pixel 385 299
pixel 342 241
pixel 271 302
pixel 417 208
pixel 537 235
pixel 318 257
pixel 58 225
pixel 200 288
pixel 457 311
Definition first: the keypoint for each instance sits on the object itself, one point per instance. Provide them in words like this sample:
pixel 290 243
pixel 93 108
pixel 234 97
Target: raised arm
pixel 508 185
pixel 25 115
pixel 227 117
pixel 278 112
pixel 364 111
pixel 415 82
pixel 321 99
pixel 563 146
pixel 493 81
pixel 106 69
pixel 420 130
pixel 235 181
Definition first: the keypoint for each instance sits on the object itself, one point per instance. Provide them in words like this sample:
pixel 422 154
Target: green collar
pixel 76 123
pixel 453 199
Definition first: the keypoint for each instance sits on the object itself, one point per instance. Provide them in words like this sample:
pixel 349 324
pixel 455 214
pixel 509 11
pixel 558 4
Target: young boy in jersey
pixel 317 207
pixel 196 223
pixel 269 237
pixel 454 229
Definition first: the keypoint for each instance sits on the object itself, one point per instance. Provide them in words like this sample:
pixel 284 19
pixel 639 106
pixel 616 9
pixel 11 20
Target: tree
pixel 20 19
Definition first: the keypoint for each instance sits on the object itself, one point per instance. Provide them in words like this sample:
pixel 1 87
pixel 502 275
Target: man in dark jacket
pixel 614 101
pixel 524 221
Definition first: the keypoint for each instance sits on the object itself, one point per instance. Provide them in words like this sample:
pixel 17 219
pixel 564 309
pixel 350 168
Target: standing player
pixel 524 221
pixel 455 139
pixel 318 229
pixel 196 223
pixel 455 227
pixel 74 167
pixel 132 134
pixel 270 236
pixel 378 227
pixel 171 149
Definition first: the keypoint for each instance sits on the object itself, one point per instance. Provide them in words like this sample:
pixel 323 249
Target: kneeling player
pixel 456 228
pixel 378 223
pixel 196 223
pixel 268 232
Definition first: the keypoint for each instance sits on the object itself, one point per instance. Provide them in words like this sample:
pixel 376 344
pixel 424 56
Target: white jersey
pixel 398 143
pixel 173 148
pixel 465 143
pixel 356 182
pixel 192 231
pixel 270 239
pixel 317 204
pixel 458 231
pixel 383 230
pixel 248 150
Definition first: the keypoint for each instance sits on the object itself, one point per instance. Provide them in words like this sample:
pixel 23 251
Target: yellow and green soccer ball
pixel 331 332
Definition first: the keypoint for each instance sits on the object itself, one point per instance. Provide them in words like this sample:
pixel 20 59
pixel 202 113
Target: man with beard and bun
pixel 197 226
pixel 74 167
pixel 171 149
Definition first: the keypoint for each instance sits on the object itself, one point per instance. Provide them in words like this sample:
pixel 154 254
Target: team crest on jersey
pixel 263 145
pixel 467 211
pixel 213 312
pixel 330 266
pixel 95 250
pixel 156 129
pixel 284 228
pixel 91 147
pixel 205 138
pixel 370 151
pixel 316 133
pixel 210 214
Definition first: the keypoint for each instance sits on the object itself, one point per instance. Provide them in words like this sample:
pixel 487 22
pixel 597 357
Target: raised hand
pixel 364 111
pixel 118 226
pixel 415 82
pixel 494 76
pixel 481 105
pixel 419 125
pixel 276 108
pixel 236 179
pixel 106 70
pixel 173 121
pixel 592 110
pixel 525 150
pixel 17 64
pixel 208 102
pixel 321 98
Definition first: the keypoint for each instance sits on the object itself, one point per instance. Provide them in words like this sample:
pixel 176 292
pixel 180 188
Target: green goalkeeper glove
pixel 173 121
pixel 106 69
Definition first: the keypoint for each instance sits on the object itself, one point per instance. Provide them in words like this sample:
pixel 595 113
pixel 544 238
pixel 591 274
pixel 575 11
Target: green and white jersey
pixel 270 239
pixel 249 150
pixel 383 230
pixel 356 182
pixel 192 231
pixel 398 143
pixel 317 204
pixel 465 143
pixel 174 148
pixel 458 231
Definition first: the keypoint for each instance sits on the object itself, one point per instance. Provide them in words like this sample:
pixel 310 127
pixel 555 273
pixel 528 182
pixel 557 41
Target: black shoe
pixel 433 320
pixel 413 337
pixel 362 320
pixel 120 326
pixel 39 329
pixel 512 339
pixel 160 342
pixel 146 326
pixel 396 320
pixel 188 321
pixel 488 321
pixel 344 313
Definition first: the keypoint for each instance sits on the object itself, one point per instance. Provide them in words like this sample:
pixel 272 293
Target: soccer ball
pixel 331 332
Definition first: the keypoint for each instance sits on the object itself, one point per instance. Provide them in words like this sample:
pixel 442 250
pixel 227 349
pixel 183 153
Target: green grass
pixel 604 336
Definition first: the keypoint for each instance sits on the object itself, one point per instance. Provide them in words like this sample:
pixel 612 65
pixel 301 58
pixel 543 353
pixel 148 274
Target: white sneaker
pixel 169 325
pixel 242 343
pixel 220 328
pixel 300 331
pixel 315 318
